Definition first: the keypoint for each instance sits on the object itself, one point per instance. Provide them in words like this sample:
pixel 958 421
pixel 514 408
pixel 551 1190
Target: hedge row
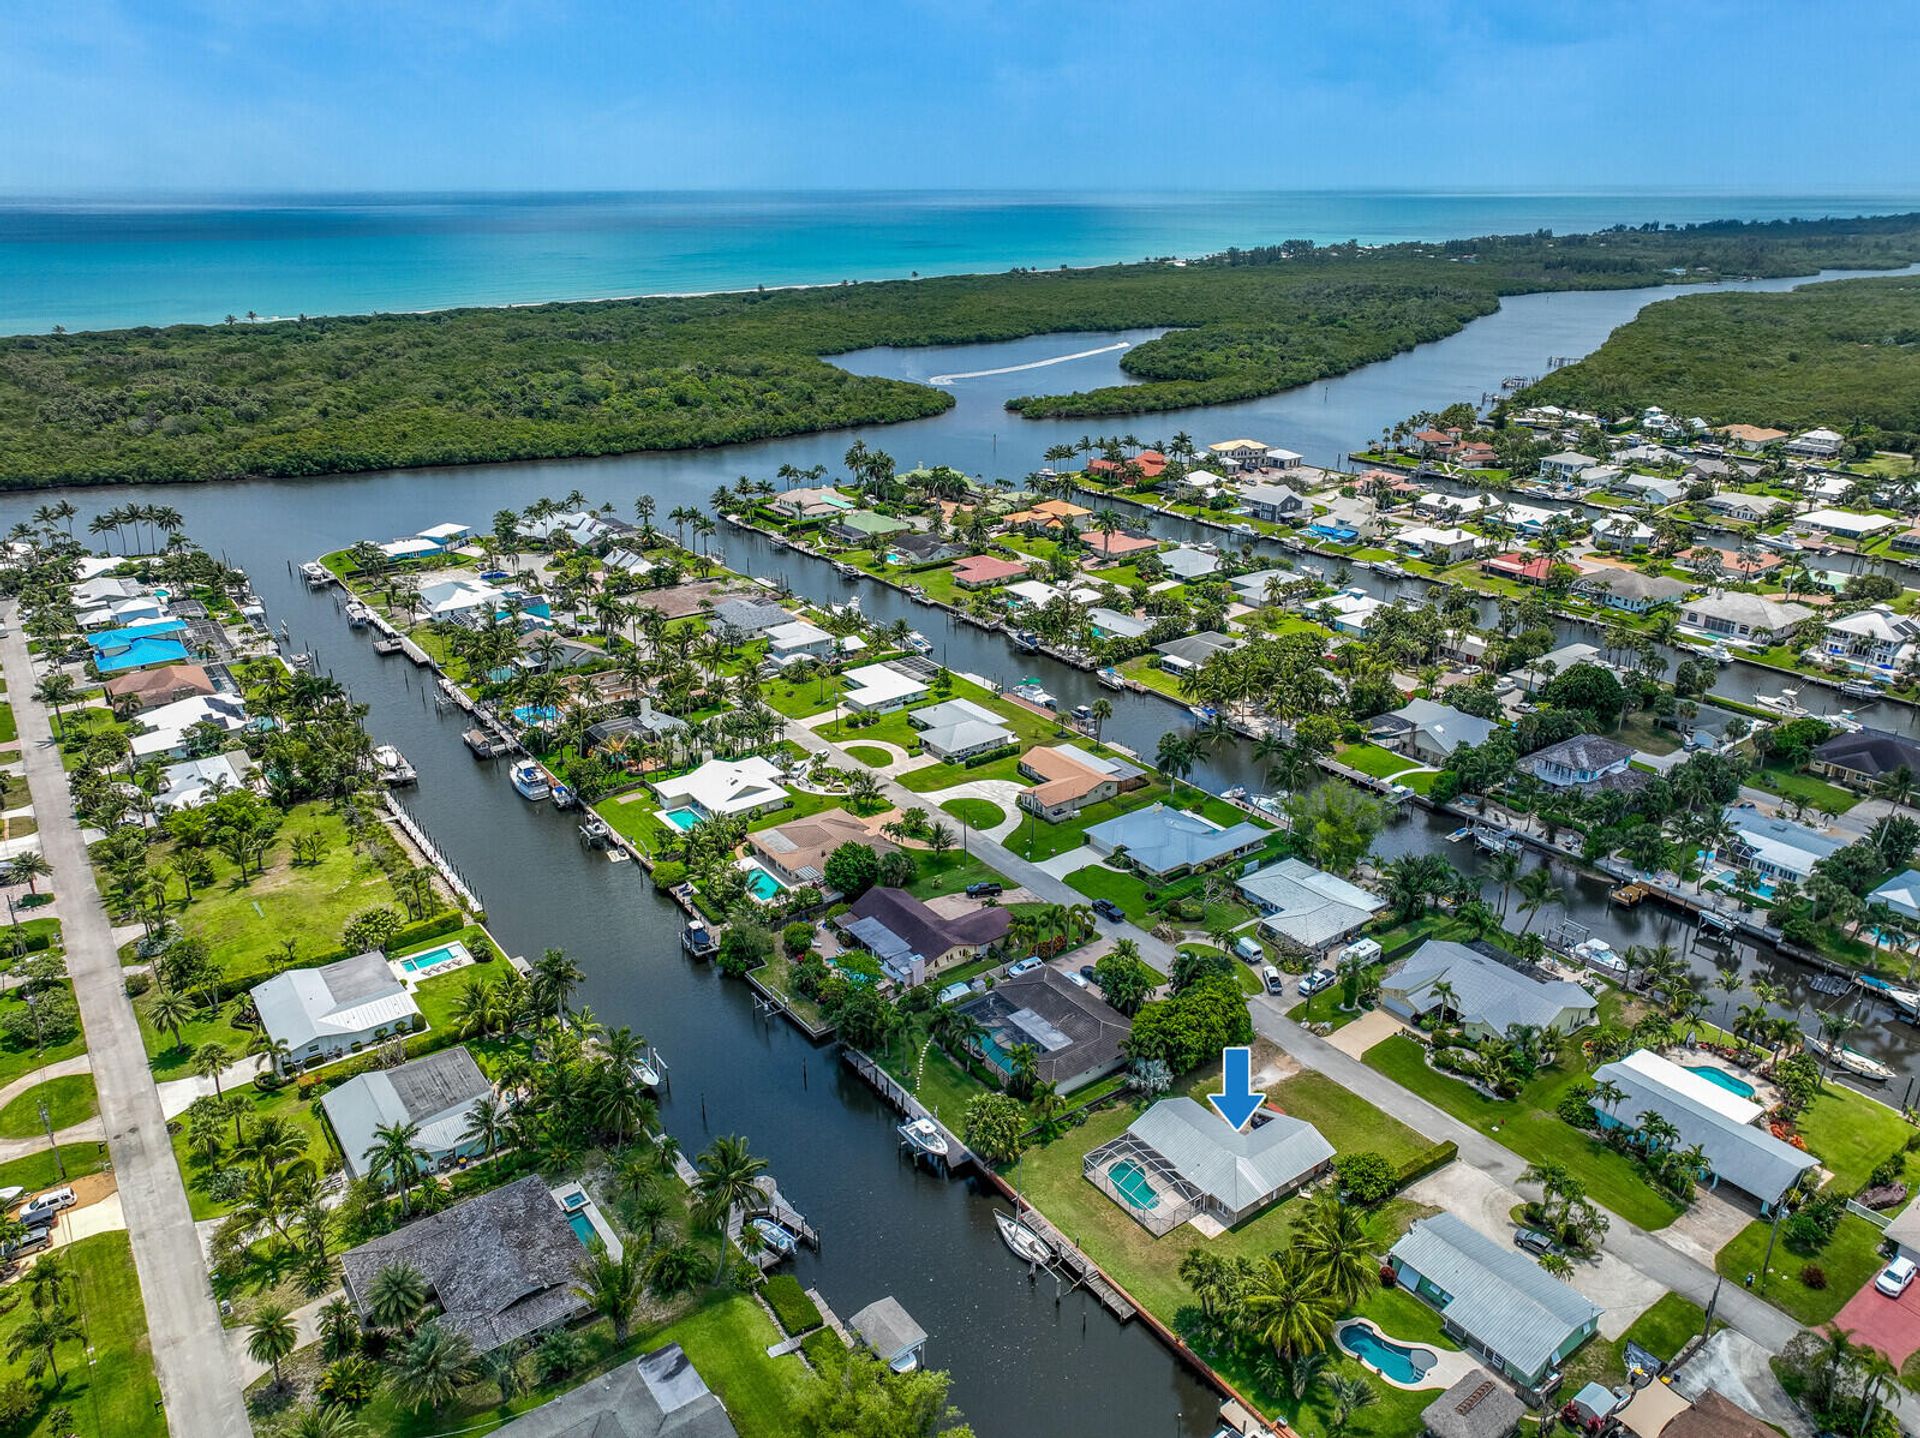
pixel 1424 1163
pixel 788 1300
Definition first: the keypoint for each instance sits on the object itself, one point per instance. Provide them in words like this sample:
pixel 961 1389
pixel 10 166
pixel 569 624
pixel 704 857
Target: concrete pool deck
pixel 1450 1365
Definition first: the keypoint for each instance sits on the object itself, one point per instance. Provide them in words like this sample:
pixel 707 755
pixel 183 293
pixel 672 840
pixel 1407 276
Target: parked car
pixel 986 889
pixel 1533 1240
pixel 1107 909
pixel 1896 1277
pixel 1248 949
pixel 32 1241
pixel 1275 981
pixel 1086 972
pixel 1313 983
pixel 1074 978
pixel 1024 966
pixel 47 1204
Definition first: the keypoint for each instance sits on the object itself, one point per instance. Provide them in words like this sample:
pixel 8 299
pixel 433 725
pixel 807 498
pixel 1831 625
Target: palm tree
pixel 1289 1311
pixel 612 1286
pixel 485 1123
pixel 1537 890
pixel 394 1151
pixel 555 977
pixel 43 1331
pixel 271 1337
pixel 728 1178
pixel 1102 711
pixel 28 869
pixel 1350 1394
pixel 1333 1245
pixel 169 1010
pixel 325 1420
pixel 397 1297
pixel 57 691
pixel 210 1061
pixel 433 1367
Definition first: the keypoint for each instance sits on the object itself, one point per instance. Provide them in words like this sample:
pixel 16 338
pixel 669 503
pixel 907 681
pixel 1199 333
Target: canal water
pixel 1020 1361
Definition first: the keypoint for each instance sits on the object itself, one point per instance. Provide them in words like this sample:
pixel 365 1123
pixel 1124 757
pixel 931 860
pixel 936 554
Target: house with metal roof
pixel 860 525
pixel 1724 1125
pixel 1483 995
pixel 1630 590
pixel 1165 842
pixel 1077 1037
pixel 1428 731
pixel 1307 907
pixel 1184 563
pixel 436 1094
pixel 956 730
pixel 1586 762
pixel 1498 1303
pixel 1776 849
pixel 1861 760
pixel 1901 893
pixel 1179 1161
pixel 881 688
pixel 658 1394
pixel 335 1010
pixel 499 1266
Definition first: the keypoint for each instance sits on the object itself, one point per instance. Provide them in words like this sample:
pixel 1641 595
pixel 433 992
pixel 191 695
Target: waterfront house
pixel 911 940
pixel 1475 455
pixel 919 550
pixel 1166 842
pixel 725 788
pixel 1864 759
pixel 859 526
pixel 1622 532
pixel 1630 590
pixel 1456 506
pixel 1844 524
pixel 1078 1037
pixel 747 618
pixel 1524 568
pixel 1751 437
pixel 460 599
pixel 1147 464
pixel 337 1009
pixel 499 1266
pixel 167 730
pixel 1348 612
pixel 1586 762
pixel 1178 1161
pixel 1874 637
pixel 1118 544
pixel 1238 453
pixel 449 536
pixel 1478 1406
pixel 881 688
pixel 436 1095
pixel 1744 616
pixel 1775 849
pixel 1428 731
pixel 1284 459
pixel 1435 443
pixel 579 528
pixel 1066 779
pixel 1487 996
pixel 141 608
pixel 1565 467
pixel 409 548
pixel 1713 560
pixel 1746 508
pixel 982 571
pixel 622 731
pixel 806 502
pixel 1496 1301
pixel 1723 1122
pixel 1907 541
pixel 659 1395
pixel 1112 624
pixel 959 729
pixel 1901 893
pixel 1440 546
pixel 1275 503
pixel 889 1332
pixel 797 640
pixel 1651 488
pixel 1816 444
pixel 1190 651
pixel 189 783
pixel 103 590
pixel 1047 514
pixel 1307 907
pixel 1188 564
pixel 797 851
pixel 150 688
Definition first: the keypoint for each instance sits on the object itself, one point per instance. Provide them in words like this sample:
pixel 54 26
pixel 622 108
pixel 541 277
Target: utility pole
pixel 46 1122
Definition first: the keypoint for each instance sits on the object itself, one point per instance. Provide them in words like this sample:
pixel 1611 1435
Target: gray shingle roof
pixel 1739 1153
pixel 1075 1032
pixel 436 1092
pixel 1198 648
pixel 1585 753
pixel 1485 990
pixel 1478 1406
pixel 1239 1169
pixel 747 616
pixel 1497 1295
pixel 1632 584
pixel 500 1264
pixel 1309 906
pixel 1445 725
pixel 1873 752
pixel 887 1328
pixel 1160 839
pixel 658 1394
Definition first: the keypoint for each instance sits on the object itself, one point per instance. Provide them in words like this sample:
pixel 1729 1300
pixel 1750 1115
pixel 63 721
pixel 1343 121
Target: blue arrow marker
pixel 1237 1100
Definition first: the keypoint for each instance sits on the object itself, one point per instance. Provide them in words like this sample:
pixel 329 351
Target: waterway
pixel 1020 1362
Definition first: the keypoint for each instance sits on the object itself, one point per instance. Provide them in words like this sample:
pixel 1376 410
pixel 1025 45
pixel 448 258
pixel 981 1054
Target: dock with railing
pixel 895 1093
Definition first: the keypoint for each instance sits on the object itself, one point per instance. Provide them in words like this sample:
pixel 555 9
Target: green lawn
pixel 1662 1330
pixel 978 813
pixel 116 1395
pixel 870 755
pixel 69 1100
pixel 1851 1134
pixel 1037 840
pixel 944 776
pixel 1126 890
pixel 798 698
pixel 950 873
pixel 287 1103
pixel 1531 1128
pixel 1848 1262
pixel 17 1063
pixel 1347 1121
pixel 1371 759
pixel 634 816
pixel 1817 793
pixel 39 1170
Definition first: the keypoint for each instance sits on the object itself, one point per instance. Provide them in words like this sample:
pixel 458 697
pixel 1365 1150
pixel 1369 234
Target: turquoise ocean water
pixel 92 264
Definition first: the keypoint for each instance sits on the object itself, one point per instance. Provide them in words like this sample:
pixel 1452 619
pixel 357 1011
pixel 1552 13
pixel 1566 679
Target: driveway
pixel 1364 1032
pixel 1891 1325
pixel 1707 1227
pixel 1740 1370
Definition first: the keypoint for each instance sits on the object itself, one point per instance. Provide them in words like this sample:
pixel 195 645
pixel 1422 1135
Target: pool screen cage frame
pixel 1179 1199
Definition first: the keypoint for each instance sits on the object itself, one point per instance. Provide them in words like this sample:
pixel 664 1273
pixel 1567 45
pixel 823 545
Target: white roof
pixel 1901 893
pixel 1309 906
pixel 881 684
pixel 92 566
pixel 1033 591
pixel 409 547
pixel 1789 847
pixel 193 782
pixel 1681 1080
pixel 796 635
pixel 342 1000
pixel 448 531
pixel 1422 535
pixel 1112 621
pixel 1568 457
pixel 1285 455
pixel 450 596
pixel 1459 503
pixel 1752 610
pixel 1877 622
pixel 725 786
pixel 168 724
pixel 1845 521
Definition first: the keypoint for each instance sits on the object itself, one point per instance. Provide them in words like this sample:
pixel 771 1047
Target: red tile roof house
pixel 1116 544
pixel 982 571
pixel 1147 464
pixel 1526 568
pixel 1437 441
pixel 1475 456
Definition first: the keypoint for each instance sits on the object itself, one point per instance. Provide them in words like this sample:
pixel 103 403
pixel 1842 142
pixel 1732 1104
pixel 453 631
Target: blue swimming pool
pixel 762 885
pixel 419 963
pixel 1762 888
pixel 583 1228
pixel 682 818
pixel 532 714
pixel 1392 1360
pixel 1720 1078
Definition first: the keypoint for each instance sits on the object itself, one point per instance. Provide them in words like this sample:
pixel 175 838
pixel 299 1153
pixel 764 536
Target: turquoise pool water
pixel 574 1201
pixel 1131 1181
pixel 138 653
pixel 1720 1078
pixel 536 714
pixel 762 885
pixel 1395 1360
pixel 416 963
pixel 682 818
pixel 582 1228
pixel 1762 888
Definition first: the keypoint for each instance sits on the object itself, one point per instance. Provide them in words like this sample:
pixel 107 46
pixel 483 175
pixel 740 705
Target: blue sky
pixel 116 95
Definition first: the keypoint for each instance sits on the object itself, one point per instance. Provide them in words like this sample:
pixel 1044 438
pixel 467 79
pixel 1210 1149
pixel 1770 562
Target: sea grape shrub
pixel 1367 1177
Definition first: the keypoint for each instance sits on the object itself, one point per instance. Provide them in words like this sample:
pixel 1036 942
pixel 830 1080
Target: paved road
pixel 1028 875
pixel 189 1347
pixel 1635 1246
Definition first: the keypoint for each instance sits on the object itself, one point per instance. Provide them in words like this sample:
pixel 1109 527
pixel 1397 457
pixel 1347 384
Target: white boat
pixel 1785 703
pixel 1860 689
pixel 530 780
pixel 1031 691
pixel 646 1071
pixel 1111 678
pixel 358 615
pixel 1599 954
pixel 775 1237
pixel 1027 1245
pixel 562 796
pixel 917 643
pixel 924 1136
pixel 1719 653
pixel 850 571
pixel 1846 721
pixel 1852 1060
pixel 1203 713
pixel 317 575
pixel 1390 569
pixel 393 766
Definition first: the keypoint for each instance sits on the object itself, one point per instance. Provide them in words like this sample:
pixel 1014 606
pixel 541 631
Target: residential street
pixel 189 1347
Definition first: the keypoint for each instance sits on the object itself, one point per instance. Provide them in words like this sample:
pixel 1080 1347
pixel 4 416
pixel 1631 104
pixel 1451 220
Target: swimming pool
pixel 420 963
pixel 1762 888
pixel 1391 1360
pixel 762 885
pixel 1720 1078
pixel 682 818
pixel 1131 1183
pixel 532 714
pixel 583 1228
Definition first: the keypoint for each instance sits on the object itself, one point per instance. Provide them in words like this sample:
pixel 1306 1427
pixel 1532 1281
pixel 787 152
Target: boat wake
pixel 1032 364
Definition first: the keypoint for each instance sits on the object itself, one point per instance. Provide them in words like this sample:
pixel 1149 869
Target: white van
pixel 1249 949
pixel 1273 979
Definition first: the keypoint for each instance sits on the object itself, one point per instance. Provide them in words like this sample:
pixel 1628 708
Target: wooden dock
pixel 883 1083
pixel 1080 1270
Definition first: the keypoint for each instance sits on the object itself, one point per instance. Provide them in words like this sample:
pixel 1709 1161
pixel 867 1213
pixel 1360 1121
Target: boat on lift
pixel 1719 653
pixel 646 1070
pixel 775 1237
pixel 917 643
pixel 923 1135
pixel 358 615
pixel 1786 704
pixel 530 780
pixel 317 575
pixel 1026 641
pixel 1082 716
pixel 698 940
pixel 1599 954
pixel 1390 569
pixel 1850 1059
pixel 1111 678
pixel 1027 1245
pixel 1906 1000
pixel 562 796
pixel 1845 720
pixel 1203 713
pixel 1860 689
pixel 393 766
pixel 850 571
pixel 1030 691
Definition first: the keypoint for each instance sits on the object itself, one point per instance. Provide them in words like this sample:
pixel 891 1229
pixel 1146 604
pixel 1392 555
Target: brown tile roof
pixel 802 846
pixel 1062 777
pixel 985 569
pixel 162 685
pixel 1119 542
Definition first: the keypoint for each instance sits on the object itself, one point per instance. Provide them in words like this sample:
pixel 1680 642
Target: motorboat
pixel 923 1135
pixel 1025 640
pixel 1906 1000
pixel 1027 1245
pixel 393 766
pixel 1719 653
pixel 1238 791
pixel 1203 713
pixel 358 615
pixel 919 595
pixel 1032 693
pixel 850 571
pixel 1786 703
pixel 775 1237
pixel 1852 1060
pixel 698 940
pixel 1082 714
pixel 917 643
pixel 1495 840
pixel 1111 678
pixel 646 1070
pixel 1860 689
pixel 1599 954
pixel 1845 720
pixel 530 780
pixel 317 575
pixel 1390 569
pixel 562 796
